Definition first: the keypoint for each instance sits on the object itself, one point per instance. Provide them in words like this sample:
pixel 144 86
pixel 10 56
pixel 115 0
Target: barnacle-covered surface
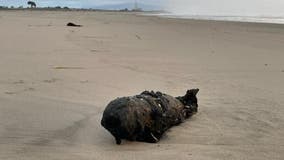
pixel 145 117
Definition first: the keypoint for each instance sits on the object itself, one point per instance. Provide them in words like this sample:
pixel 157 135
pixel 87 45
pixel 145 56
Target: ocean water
pixel 253 19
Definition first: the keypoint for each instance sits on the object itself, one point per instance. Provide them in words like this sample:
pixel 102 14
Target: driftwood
pixel 70 24
pixel 145 117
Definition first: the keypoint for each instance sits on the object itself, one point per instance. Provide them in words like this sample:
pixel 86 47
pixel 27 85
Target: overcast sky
pixel 198 7
pixel 77 3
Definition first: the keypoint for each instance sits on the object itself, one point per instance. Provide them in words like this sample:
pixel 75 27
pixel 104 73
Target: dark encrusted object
pixel 145 117
pixel 70 24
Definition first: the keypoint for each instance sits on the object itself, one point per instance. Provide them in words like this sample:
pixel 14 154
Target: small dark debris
pixel 138 37
pixel 266 64
pixel 70 24
pixel 282 70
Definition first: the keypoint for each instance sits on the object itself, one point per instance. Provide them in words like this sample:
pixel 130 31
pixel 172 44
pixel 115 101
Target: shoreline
pixel 220 18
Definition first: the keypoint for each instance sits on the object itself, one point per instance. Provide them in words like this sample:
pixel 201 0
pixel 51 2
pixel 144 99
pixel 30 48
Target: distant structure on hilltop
pixel 32 4
pixel 136 8
pixel 135 5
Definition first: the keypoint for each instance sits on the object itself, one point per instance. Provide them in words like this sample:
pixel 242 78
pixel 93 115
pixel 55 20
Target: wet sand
pixel 56 80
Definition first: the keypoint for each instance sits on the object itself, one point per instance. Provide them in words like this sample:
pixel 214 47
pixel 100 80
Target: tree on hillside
pixel 32 4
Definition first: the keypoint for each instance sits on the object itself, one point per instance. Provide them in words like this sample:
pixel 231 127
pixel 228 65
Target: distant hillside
pixel 130 6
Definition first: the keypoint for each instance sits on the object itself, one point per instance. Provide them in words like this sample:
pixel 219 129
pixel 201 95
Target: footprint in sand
pixel 95 51
pixel 29 89
pixel 67 67
pixel 53 80
pixel 19 82
pixel 45 25
pixel 10 93
pixel 85 81
pixel 20 91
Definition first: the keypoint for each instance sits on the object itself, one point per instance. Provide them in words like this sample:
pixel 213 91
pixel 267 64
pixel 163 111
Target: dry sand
pixel 55 82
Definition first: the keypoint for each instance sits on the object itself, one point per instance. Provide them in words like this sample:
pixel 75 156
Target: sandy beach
pixel 55 82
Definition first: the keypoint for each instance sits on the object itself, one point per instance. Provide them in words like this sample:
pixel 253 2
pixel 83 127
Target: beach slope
pixel 56 81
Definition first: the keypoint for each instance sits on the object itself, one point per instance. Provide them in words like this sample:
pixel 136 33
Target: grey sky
pixel 198 7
